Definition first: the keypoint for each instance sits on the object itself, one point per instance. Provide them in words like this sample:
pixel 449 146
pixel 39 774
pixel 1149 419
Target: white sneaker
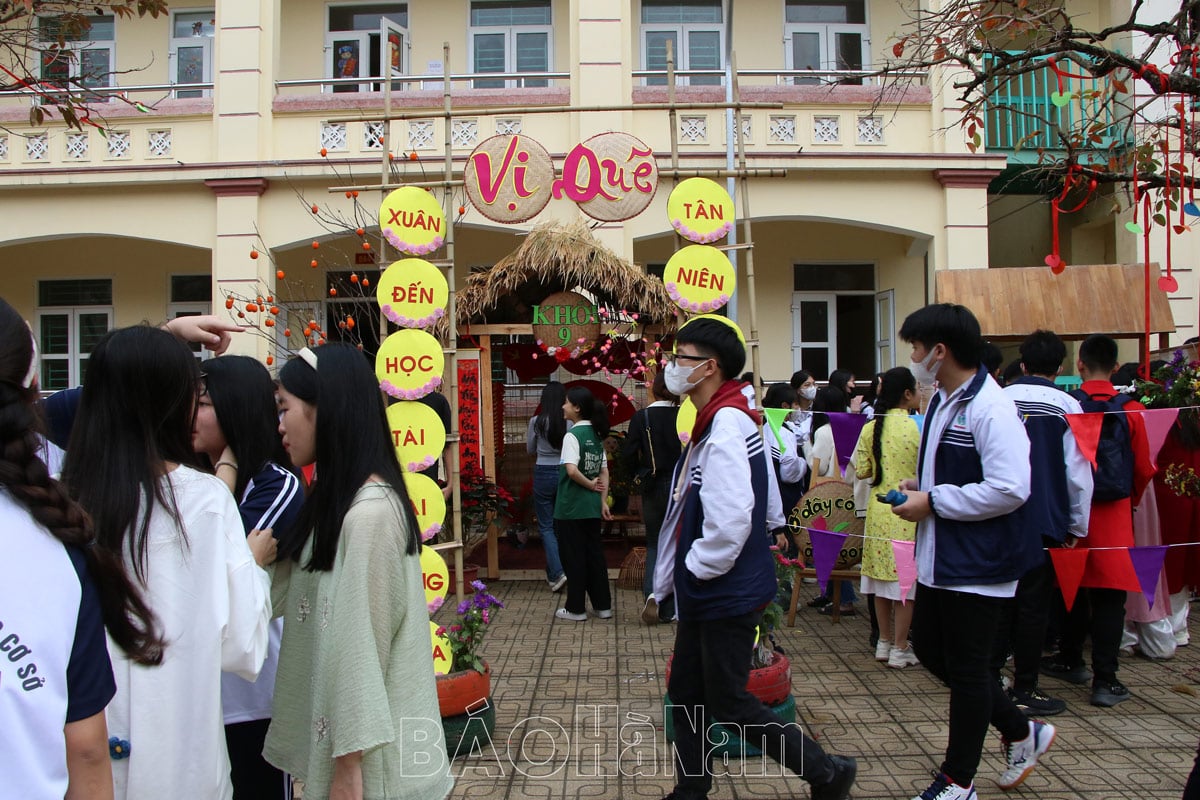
pixel 1022 756
pixel 562 613
pixel 943 788
pixel 556 586
pixel 605 614
pixel 900 658
pixel 882 649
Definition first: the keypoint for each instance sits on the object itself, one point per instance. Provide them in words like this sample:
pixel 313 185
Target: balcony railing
pixel 1022 118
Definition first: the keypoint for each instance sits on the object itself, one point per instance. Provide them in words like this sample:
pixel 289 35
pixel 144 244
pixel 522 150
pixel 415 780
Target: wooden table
pixel 835 591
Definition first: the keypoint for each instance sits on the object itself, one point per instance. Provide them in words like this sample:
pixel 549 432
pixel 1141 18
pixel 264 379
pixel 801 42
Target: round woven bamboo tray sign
pixel 410 364
pixel 566 320
pixel 833 500
pixel 413 293
pixel 508 178
pixel 412 220
pixel 417 434
pixel 699 278
pixel 612 176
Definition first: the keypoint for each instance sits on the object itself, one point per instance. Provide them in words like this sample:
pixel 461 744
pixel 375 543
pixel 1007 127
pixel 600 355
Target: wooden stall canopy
pixel 1012 302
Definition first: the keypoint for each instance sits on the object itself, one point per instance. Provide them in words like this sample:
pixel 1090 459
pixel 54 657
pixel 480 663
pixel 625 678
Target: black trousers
pixel 1022 628
pixel 253 778
pixel 1100 612
pixel 954 635
pixel 708 679
pixel 583 562
pixel 1192 790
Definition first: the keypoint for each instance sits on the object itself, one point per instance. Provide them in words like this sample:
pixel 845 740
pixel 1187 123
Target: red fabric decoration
pixel 1069 566
pixel 527 360
pixel 620 408
pixel 1086 428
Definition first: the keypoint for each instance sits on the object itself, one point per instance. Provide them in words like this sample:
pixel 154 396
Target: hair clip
pixel 309 357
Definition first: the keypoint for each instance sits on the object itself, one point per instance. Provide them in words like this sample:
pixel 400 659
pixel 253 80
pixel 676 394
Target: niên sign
pixel 412 220
pixel 428 502
pixel 413 293
pixel 566 320
pixel 699 278
pixel 612 177
pixel 417 434
pixel 409 364
pixel 700 210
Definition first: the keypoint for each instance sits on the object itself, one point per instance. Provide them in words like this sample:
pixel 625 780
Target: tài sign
pixel 418 434
pixel 611 177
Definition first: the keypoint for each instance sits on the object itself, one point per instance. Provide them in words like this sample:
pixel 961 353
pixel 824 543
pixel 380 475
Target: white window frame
pixel 364 47
pixel 830 343
pixel 828 39
pixel 204 42
pixel 73 354
pixel 682 52
pixel 75 60
pixel 510 46
pixel 885 339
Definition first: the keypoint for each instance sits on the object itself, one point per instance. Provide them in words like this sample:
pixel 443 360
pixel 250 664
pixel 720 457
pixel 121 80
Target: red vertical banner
pixel 469 422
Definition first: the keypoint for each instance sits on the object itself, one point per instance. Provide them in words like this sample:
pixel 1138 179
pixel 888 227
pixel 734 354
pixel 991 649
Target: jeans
pixel 583 558
pixel 708 679
pixel 1100 612
pixel 654 510
pixel 1022 628
pixel 954 634
pixel 545 487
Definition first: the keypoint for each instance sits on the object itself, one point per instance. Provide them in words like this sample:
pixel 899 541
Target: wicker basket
pixel 633 569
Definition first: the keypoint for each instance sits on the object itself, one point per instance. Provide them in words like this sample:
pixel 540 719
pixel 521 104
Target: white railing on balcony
pixel 478 80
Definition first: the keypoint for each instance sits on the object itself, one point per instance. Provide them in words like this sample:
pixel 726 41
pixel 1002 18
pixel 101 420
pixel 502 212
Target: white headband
pixel 31 374
pixel 309 357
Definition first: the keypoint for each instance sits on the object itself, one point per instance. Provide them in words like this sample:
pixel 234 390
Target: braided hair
pixel 896 382
pixel 127 618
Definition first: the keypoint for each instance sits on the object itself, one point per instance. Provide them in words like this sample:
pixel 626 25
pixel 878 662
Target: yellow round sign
pixel 443 656
pixel 413 293
pixel 435 576
pixel 418 435
pixel 723 320
pixel 685 420
pixel 700 210
pixel 429 503
pixel 410 364
pixel 412 220
pixel 699 278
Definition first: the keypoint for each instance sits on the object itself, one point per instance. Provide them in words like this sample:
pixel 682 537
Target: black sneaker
pixel 1054 667
pixel 1036 704
pixel 844 770
pixel 1107 694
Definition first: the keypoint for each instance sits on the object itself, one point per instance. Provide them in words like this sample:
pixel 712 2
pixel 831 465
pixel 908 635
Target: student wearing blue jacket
pixel 972 476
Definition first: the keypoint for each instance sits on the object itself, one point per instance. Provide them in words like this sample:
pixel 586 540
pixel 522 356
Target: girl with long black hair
pixel 581 503
pixel 887 454
pixel 543 440
pixel 356 709
pixel 179 535
pixel 237 433
pixel 58 595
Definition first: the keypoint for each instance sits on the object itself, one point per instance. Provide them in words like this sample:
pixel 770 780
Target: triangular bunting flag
pixel 826 546
pixel 1069 566
pixel 1148 563
pixel 1086 428
pixel 1158 425
pixel 775 418
pixel 846 429
pixel 906 566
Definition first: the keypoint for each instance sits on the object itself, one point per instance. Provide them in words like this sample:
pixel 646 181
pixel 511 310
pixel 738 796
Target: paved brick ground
pixel 893 721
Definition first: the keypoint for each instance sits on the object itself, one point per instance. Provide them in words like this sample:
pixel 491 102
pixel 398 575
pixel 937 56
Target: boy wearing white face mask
pixel 714 557
pixel 973 474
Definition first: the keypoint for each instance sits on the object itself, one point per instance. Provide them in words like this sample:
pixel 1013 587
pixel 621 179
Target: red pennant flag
pixel 1086 428
pixel 1069 566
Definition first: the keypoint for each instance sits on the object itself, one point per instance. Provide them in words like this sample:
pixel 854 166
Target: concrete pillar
pixel 965 230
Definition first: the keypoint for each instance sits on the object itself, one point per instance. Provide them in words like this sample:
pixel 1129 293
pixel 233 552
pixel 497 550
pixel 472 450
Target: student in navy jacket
pixel 1059 471
pixel 714 556
pixel 972 475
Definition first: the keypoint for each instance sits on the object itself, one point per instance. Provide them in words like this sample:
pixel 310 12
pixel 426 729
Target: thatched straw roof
pixel 557 257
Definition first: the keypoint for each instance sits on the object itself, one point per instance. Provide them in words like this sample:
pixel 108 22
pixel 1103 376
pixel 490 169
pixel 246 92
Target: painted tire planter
pixel 734 746
pixel 772 684
pixel 466 733
pixel 458 692
pixel 470 573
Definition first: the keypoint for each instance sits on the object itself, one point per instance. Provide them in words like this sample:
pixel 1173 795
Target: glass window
pixel 72 317
pixel 194 24
pixel 510 36
pixel 695 31
pixel 826 12
pixel 506 13
pixel 191 289
pixel 84 292
pixel 354 44
pixel 85 55
pixel 675 12
pixel 91 29
pixel 366 17
pixel 834 278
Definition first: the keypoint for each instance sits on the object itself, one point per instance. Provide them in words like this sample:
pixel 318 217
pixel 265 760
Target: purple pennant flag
pixel 846 429
pixel 826 546
pixel 1147 563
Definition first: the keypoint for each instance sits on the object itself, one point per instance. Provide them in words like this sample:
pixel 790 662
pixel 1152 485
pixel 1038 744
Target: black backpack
pixel 1113 474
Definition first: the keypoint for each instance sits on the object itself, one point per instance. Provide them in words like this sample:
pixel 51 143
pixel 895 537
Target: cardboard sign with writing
pixel 410 364
pixel 413 293
pixel 833 500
